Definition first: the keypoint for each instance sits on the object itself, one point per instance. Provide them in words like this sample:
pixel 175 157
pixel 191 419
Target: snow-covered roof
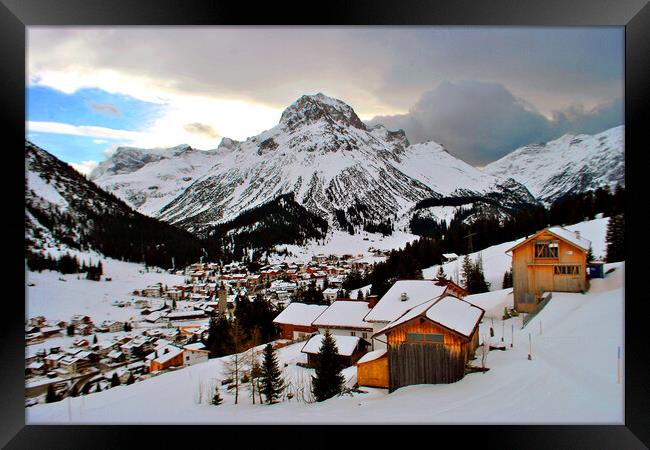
pixel 562 233
pixel 345 344
pixel 571 237
pixel 450 255
pixel 391 306
pixel 371 356
pixel 161 357
pixel 195 346
pixel 450 312
pixel 299 314
pixel 344 314
pixel 455 314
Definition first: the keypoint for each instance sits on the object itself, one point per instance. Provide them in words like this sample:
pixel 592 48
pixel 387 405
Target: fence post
pixel 618 366
pixel 530 347
pixel 512 342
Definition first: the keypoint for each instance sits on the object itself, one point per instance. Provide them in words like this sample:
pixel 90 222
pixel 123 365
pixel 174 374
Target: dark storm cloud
pixel 480 122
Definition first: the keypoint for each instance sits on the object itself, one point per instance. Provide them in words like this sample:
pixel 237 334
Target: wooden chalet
pixel 430 343
pixel 554 259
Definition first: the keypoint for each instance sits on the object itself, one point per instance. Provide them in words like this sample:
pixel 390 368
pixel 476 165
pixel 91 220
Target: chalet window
pixel 567 270
pixel 546 249
pixel 364 335
pixel 353 333
pixel 430 338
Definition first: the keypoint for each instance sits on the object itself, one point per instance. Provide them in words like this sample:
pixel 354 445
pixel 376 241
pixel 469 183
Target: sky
pixel 480 91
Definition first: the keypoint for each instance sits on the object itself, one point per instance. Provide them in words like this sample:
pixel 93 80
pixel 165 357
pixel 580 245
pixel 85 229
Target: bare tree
pixel 234 366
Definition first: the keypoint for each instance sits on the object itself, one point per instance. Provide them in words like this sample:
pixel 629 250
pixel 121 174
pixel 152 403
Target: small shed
pixel 596 269
pixel 372 369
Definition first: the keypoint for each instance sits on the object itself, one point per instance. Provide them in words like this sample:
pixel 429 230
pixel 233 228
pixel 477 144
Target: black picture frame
pixel 634 15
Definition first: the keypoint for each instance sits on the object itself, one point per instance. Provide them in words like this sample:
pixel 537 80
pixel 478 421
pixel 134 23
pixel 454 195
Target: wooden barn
pixel 554 259
pixel 404 295
pixel 430 343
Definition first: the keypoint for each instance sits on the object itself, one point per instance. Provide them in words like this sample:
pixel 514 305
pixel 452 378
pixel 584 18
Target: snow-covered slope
pixel 570 164
pixel 496 261
pixel 149 179
pixel 571 378
pixel 325 155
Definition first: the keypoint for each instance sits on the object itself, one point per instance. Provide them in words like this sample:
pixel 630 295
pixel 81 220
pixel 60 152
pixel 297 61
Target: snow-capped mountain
pixel 336 166
pixel 570 164
pixel 148 179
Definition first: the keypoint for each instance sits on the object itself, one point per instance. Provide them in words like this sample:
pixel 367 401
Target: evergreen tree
pixel 115 380
pixel 441 273
pixel 51 396
pixel 590 255
pixel 70 330
pixel 216 399
pixel 359 294
pixel 507 279
pixel 615 238
pixel 328 380
pixel 271 382
pixel 95 339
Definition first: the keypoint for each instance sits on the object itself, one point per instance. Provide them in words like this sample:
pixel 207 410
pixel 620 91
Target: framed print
pixel 376 214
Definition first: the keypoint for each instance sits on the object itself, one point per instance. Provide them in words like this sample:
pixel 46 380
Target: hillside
pixel 65 210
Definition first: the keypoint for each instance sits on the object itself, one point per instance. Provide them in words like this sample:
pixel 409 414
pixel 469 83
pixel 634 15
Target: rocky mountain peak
pixel 312 108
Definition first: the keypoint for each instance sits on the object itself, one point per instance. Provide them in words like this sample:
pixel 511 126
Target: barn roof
pixel 344 314
pixel 345 344
pixel 299 314
pixel 452 313
pixel 391 306
pixel 561 233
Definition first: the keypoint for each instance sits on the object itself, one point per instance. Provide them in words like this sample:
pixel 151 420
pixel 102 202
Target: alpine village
pixel 361 294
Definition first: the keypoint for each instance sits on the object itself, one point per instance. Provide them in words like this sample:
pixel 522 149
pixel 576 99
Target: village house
pixel 449 257
pixel 330 294
pixel 551 260
pixel 295 321
pixel 195 353
pixel 430 343
pixel 404 295
pixel 165 357
pixel 345 318
pixel 110 326
pixel 350 349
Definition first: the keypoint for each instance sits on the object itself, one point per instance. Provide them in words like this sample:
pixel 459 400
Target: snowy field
pixel 571 379
pixel 341 243
pixel 496 261
pixel 60 300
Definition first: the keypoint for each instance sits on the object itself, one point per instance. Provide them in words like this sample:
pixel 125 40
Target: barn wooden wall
pixel 423 364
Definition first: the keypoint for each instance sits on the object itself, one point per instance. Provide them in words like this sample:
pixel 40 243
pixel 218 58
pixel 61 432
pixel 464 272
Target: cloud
pixel 85 167
pixel 480 122
pixel 106 109
pixel 82 130
pixel 378 70
pixel 201 129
